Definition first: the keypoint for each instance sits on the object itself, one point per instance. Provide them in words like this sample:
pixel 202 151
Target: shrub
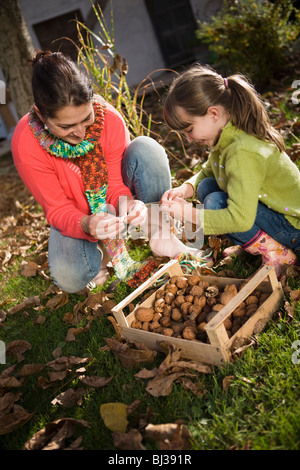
pixel 252 37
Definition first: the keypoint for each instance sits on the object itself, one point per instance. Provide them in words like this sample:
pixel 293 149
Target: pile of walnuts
pixel 187 303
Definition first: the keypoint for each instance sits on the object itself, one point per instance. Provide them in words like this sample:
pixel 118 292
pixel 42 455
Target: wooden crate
pixel 218 350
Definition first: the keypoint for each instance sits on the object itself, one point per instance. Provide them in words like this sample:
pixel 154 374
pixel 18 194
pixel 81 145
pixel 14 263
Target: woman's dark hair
pixel 58 82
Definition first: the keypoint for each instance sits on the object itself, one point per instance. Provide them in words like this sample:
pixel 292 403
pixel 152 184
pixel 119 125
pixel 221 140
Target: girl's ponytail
pixel 248 112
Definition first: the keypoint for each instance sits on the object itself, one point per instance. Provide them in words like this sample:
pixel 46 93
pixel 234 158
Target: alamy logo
pixel 2 92
pixel 295 99
pixel 296 354
pixel 2 353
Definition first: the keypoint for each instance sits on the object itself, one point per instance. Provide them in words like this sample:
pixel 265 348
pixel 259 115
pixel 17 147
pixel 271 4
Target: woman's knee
pixel 73 263
pixel 145 169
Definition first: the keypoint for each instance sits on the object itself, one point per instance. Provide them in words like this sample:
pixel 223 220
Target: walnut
pixel 168 332
pixel 159 305
pixel 201 326
pixel 159 294
pixel 197 290
pixel 169 297
pixel 193 279
pixel 179 300
pixel 165 321
pixel 154 325
pixel 144 314
pixel 189 332
pixel 212 291
pixel 145 326
pixel 171 288
pixel 228 323
pixel 136 324
pixel 176 314
pixel 252 299
pixel 184 307
pixel 181 282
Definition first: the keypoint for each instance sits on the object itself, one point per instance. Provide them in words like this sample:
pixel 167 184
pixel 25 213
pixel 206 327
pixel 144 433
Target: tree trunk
pixel 16 48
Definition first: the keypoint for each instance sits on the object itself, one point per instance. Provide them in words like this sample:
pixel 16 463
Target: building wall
pixel 135 38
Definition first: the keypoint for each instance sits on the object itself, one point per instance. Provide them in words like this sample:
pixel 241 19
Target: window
pixel 52 33
pixel 175 26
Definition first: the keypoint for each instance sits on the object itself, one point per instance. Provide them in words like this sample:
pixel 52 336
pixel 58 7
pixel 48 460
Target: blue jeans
pixel 75 262
pixel 271 222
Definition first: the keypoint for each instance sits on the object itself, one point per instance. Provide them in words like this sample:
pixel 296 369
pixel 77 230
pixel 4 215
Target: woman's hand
pixel 184 191
pixel 102 225
pixel 133 212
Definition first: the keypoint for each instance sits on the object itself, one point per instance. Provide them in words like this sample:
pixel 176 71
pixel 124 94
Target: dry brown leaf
pixel 162 385
pixel 130 357
pixel 29 269
pixel 146 374
pixel 7 401
pixel 53 435
pixel 29 369
pixel 57 375
pixel 40 320
pixel 73 332
pixel 170 436
pixel 69 398
pixel 196 388
pixel 17 348
pixel 13 420
pixel 94 381
pixel 60 299
pixel 226 382
pixel 131 440
pixel 27 303
pixel 10 382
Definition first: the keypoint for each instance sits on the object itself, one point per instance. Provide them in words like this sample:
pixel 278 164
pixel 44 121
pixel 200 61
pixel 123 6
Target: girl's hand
pixel 179 208
pixel 183 192
pixel 102 225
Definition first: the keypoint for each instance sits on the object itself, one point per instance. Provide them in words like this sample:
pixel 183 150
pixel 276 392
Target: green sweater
pixel 249 170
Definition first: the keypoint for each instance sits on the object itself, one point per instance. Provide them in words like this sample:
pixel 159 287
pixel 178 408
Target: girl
pixel 249 187
pixel 73 152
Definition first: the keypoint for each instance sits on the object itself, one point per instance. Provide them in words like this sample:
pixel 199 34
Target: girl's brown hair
pixel 58 82
pixel 200 87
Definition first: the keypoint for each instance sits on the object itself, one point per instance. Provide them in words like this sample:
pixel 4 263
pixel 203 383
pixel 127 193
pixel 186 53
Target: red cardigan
pixel 56 183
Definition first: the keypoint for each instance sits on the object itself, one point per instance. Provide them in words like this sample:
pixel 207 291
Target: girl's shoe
pixel 272 252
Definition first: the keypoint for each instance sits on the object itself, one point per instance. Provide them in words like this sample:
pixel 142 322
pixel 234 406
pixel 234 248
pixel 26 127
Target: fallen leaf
pixel 14 420
pixel 53 435
pixel 162 385
pixel 17 348
pixel 95 381
pixel 69 398
pixel 58 300
pixel 170 436
pixel 29 269
pixel 226 382
pixel 130 357
pixel 131 440
pixel 27 303
pixel 29 369
pixel 114 416
pixel 196 388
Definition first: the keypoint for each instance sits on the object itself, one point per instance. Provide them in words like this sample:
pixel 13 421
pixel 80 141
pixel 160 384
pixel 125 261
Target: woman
pixel 73 152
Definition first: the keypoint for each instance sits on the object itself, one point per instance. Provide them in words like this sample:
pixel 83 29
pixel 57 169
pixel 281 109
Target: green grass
pixel 261 412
